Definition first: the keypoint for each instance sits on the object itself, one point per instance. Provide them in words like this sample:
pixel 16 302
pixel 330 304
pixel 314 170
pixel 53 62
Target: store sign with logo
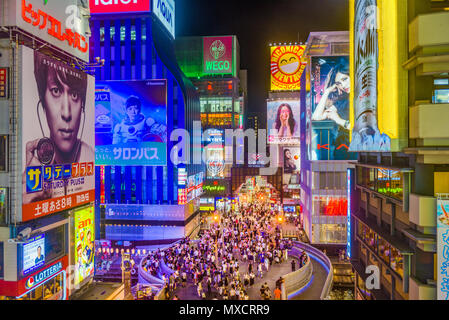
pixel 43 275
pixel 165 11
pixel 62 23
pixel 218 55
pixel 118 6
pixel 286 67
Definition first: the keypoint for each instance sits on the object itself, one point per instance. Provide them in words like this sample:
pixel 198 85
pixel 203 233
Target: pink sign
pixel 217 54
pixel 119 6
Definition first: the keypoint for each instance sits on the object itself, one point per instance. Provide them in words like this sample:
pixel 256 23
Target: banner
pixel 57 136
pixel 283 121
pixel 286 67
pixel 84 230
pixel 330 89
pixel 131 122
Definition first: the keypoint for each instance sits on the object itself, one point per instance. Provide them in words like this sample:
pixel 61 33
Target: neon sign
pixel 348 226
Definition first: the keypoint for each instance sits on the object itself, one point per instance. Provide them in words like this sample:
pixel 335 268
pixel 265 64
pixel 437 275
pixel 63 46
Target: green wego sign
pixel 218 55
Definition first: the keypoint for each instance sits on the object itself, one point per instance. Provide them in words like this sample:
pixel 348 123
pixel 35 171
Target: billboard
pixel 292 166
pixel 218 55
pixel 62 23
pixel 118 6
pixel 33 254
pixel 283 121
pixel 131 122
pixel 286 67
pixel 84 231
pixel 443 249
pixel 330 90
pixel 57 135
pixel 366 135
pixel 165 11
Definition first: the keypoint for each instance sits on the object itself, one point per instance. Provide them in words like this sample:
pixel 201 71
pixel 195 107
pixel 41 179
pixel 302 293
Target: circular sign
pixel 217 49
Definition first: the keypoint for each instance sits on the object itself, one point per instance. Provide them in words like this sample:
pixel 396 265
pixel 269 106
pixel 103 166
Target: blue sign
pixel 43 275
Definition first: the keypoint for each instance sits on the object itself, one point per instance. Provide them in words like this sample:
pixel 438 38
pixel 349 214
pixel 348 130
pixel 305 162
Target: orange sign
pixel 286 67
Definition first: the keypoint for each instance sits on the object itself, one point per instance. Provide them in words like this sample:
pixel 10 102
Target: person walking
pixel 293 265
pixel 277 293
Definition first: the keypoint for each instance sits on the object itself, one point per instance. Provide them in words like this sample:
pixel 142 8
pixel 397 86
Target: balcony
pixel 422 291
pixel 423 210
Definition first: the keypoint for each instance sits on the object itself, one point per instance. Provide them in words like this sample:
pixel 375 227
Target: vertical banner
pixel 84 230
pixel 443 248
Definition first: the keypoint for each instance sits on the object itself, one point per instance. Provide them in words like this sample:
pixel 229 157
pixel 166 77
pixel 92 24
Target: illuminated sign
pixel 84 230
pixel 348 227
pixel 286 67
pixel 182 176
pixel 44 275
pixel 283 121
pixel 119 6
pixel 57 159
pixel 34 254
pixel 443 247
pixel 3 82
pixel 62 23
pixel 218 55
pixel 182 196
pixel 165 11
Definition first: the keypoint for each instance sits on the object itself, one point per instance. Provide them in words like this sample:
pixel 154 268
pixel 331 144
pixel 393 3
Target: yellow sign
pixel 286 67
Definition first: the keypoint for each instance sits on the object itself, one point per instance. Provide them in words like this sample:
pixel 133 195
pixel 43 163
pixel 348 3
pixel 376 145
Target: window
pixel 55 243
pixel 3 153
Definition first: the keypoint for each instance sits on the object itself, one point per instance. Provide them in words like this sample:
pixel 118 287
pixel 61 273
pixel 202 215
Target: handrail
pixel 320 255
pixel 297 280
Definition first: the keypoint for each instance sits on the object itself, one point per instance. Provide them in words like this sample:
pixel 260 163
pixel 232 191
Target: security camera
pixel 24 234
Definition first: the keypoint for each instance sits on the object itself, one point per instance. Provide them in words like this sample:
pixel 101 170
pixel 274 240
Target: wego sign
pixel 119 6
pixel 217 52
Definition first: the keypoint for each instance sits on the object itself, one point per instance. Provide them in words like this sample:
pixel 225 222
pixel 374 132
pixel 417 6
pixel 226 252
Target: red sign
pixel 119 6
pixel 3 82
pixel 217 53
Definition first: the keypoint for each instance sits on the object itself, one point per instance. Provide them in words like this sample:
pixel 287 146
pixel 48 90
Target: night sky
pixel 256 23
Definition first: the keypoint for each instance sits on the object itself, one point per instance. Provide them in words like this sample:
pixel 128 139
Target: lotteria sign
pixel 165 11
pixel 43 275
pixel 218 55
pixel 119 6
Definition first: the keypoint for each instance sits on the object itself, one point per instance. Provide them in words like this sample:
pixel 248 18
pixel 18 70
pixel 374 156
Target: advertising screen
pixel 131 122
pixel 33 254
pixel 286 67
pixel 191 190
pixel 165 11
pixel 119 6
pixel 84 231
pixel 62 23
pixel 3 204
pixel 283 121
pixel 443 249
pixel 366 135
pixel 57 136
pixel 330 89
pixel 218 55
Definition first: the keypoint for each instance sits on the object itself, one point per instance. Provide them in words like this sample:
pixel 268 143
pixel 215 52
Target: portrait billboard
pixel 283 121
pixel 286 67
pixel 366 135
pixel 84 231
pixel 33 254
pixel 131 122
pixel 218 55
pixel 330 90
pixel 57 120
pixel 443 249
pixel 62 23
pixel 292 167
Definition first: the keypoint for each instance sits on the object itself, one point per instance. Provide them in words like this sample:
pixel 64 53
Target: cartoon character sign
pixel 84 243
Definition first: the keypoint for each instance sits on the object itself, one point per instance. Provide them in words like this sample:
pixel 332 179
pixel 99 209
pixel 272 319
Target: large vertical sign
pixel 118 6
pixel 286 67
pixel 283 121
pixel 57 136
pixel 443 249
pixel 348 225
pixel 330 89
pixel 365 133
pixel 218 56
pixel 165 11
pixel 84 231
pixel 62 23
pixel 131 122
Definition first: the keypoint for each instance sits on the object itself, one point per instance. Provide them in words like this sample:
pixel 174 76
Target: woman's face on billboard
pixel 63 108
pixel 343 82
pixel 285 114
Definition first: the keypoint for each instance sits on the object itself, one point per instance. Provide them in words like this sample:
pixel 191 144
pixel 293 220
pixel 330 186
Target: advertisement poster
pixel 283 121
pixel 365 133
pixel 84 243
pixel 286 67
pixel 191 190
pixel 131 122
pixel 33 254
pixel 57 136
pixel 218 55
pixel 443 249
pixel 330 89
pixel 3 204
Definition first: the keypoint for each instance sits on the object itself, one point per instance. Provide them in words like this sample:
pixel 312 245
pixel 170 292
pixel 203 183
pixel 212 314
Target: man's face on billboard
pixel 39 251
pixel 132 112
pixel 63 108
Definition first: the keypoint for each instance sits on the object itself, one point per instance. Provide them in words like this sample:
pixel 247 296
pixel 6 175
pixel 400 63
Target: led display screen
pixel 131 122
pixel 33 254
pixel 57 135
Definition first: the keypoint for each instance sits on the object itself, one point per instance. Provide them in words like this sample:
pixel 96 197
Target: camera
pixel 24 234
